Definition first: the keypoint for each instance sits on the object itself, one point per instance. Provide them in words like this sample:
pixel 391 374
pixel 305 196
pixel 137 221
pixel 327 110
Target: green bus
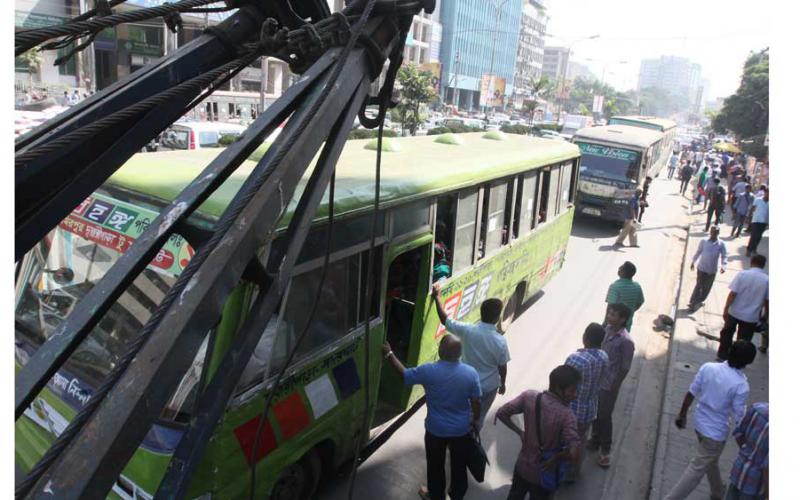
pixel 667 127
pixel 615 159
pixel 496 210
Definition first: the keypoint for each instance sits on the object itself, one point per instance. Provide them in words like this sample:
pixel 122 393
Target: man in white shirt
pixel 711 252
pixel 748 296
pixel 721 390
pixel 483 348
pixel 760 220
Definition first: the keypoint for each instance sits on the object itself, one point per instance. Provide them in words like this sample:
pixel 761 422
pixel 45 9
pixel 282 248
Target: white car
pixel 550 134
pixel 198 135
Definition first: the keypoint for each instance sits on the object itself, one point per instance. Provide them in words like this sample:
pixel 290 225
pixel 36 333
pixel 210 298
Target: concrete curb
pixel 657 471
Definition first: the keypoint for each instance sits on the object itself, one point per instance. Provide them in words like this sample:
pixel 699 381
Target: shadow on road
pixel 591 228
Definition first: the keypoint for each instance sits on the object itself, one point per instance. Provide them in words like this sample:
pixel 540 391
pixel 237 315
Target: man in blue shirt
pixel 631 214
pixel 452 395
pixel 712 253
pixel 485 349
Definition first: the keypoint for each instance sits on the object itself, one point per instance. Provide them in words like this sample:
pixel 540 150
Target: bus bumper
pixel 604 208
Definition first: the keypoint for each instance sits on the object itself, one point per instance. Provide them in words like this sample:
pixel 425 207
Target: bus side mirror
pixel 62 275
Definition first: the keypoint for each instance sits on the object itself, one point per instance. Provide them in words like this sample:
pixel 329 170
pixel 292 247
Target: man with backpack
pixel 716 198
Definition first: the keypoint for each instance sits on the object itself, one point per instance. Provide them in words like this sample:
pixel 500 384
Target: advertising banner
pixel 493 89
pixel 436 69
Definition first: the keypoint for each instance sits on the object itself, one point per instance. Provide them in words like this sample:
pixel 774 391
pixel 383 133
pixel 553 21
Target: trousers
pixel 435 449
pixel 719 211
pixel 702 287
pixel 602 429
pixel 745 332
pixel 627 230
pixel 756 232
pixel 521 487
pixel 704 463
pixel 684 185
pixel 574 471
pixel 486 402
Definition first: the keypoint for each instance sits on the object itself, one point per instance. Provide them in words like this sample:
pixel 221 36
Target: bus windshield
pixel 63 268
pixel 610 163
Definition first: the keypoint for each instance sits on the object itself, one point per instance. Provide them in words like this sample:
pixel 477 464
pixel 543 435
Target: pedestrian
pixel 741 207
pixel 716 199
pixel 739 188
pixel 760 219
pixel 75 98
pixel 712 254
pixel 721 390
pixel 556 431
pixel 65 99
pixel 701 185
pixel 452 395
pixel 625 291
pixel 484 348
pixel 686 175
pixel 592 363
pixel 673 164
pixel 619 348
pixel 629 227
pixel 748 296
pixel 698 159
pixel 749 479
pixel 643 203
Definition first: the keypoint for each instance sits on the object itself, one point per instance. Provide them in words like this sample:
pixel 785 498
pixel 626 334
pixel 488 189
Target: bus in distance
pixel 492 215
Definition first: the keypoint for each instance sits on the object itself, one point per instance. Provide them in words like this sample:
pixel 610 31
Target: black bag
pixel 477 460
pixel 549 479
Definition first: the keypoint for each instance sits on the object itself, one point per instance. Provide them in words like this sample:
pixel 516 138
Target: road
pixel 541 338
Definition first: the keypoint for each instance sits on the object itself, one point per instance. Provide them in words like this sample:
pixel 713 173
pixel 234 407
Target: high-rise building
pixel 530 51
pixel 480 37
pixel 579 70
pixel 677 75
pixel 554 63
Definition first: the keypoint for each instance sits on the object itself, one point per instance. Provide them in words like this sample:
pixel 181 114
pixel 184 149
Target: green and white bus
pixel 667 127
pixel 496 210
pixel 615 159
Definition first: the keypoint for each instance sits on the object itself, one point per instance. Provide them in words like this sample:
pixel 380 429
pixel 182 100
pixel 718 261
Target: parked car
pixel 550 134
pixel 197 135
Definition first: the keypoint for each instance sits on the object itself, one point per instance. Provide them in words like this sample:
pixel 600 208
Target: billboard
pixel 436 69
pixel 597 104
pixel 493 89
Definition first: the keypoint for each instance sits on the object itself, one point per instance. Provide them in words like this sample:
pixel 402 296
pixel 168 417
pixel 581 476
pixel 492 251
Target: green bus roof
pixel 422 168
pixel 647 121
pixel 621 135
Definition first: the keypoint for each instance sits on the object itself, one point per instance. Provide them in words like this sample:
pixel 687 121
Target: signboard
pixel 436 69
pixel 493 89
pixel 144 40
pixel 33 20
pixel 607 152
pixel 597 104
pixel 116 225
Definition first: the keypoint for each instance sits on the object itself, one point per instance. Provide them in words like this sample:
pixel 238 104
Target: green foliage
pixel 542 88
pixel 439 131
pixel 581 98
pixel 453 128
pixel 363 133
pixel 416 89
pixel 517 129
pixel 228 139
pixel 746 113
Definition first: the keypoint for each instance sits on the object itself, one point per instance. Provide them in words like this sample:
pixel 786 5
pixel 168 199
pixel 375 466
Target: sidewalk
pixel 695 342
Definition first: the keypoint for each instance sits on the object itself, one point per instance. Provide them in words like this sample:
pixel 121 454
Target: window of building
pixel 466 224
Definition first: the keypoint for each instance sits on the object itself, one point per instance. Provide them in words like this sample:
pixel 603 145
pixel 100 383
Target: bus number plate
pixel 591 211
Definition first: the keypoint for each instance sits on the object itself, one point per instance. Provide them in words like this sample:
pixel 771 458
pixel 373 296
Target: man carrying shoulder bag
pixel 550 440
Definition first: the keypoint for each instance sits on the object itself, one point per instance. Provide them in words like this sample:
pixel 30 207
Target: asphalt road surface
pixel 541 338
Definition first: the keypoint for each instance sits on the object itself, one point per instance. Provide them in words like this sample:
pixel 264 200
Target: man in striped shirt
pixel 626 291
pixel 749 478
pixel 592 363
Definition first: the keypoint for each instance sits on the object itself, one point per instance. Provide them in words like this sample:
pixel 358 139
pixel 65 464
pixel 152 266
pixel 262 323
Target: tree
pixel 746 113
pixel 416 89
pixel 540 89
pixel 32 59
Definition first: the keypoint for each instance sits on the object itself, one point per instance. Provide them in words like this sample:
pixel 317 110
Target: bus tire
pixel 510 310
pixel 299 480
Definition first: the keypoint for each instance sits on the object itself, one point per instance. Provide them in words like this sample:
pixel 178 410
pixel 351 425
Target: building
pixel 530 51
pixel 677 75
pixel 579 70
pixel 478 38
pixel 555 59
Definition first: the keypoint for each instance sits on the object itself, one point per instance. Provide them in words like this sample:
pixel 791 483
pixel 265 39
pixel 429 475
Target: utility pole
pixel 264 77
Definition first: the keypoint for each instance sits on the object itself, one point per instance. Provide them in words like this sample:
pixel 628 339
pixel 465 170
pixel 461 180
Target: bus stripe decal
pixel 291 415
pixel 246 435
pixel 347 379
pixel 321 395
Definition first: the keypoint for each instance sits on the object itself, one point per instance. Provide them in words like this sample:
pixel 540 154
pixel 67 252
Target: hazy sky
pixel 716 34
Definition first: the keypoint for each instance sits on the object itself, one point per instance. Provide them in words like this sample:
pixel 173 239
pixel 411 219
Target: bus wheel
pixel 299 480
pixel 510 311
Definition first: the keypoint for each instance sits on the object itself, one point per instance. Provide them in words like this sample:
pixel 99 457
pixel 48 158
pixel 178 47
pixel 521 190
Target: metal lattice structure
pixel 60 163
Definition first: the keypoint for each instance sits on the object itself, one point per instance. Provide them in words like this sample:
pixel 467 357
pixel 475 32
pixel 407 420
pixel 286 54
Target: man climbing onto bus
pixel 452 395
pixel 485 349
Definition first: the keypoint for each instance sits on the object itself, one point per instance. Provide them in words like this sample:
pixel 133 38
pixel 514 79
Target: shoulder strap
pixel 539 420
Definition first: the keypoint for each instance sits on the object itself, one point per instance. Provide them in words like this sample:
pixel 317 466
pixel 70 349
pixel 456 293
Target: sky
pixel 718 35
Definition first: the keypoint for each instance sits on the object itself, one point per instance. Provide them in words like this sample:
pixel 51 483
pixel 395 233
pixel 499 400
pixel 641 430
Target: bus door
pixel 406 295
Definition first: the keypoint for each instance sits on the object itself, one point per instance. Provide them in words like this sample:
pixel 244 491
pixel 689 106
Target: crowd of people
pixel 574 415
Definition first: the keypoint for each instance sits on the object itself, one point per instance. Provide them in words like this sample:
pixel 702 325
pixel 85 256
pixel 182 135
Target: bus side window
pixel 566 186
pixel 466 224
pixel 443 237
pixel 544 195
pixel 511 197
pixel 524 219
pixel 493 221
